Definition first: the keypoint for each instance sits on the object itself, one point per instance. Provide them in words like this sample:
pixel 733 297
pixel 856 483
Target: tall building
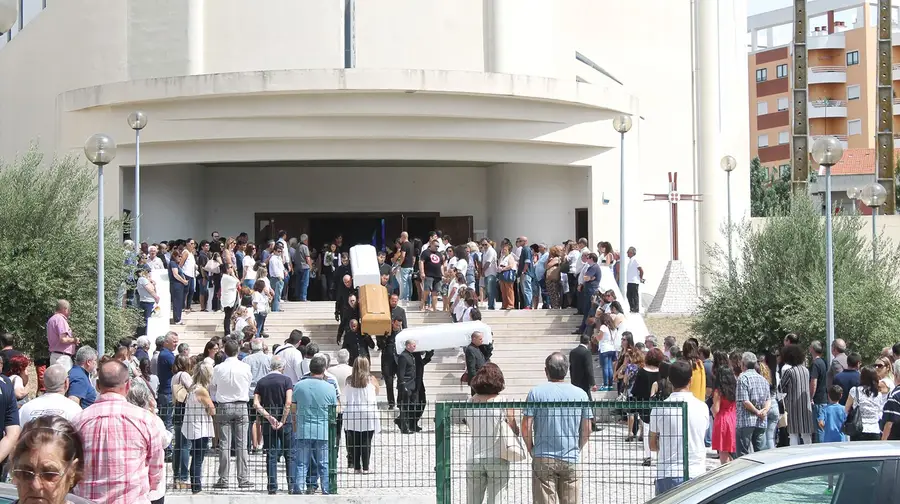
pixel 842 62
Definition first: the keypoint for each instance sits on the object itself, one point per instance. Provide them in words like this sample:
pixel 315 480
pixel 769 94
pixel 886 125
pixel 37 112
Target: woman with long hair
pixel 181 384
pixel 18 374
pixel 870 403
pixel 690 352
pixel 260 305
pixel 724 409
pixel 209 353
pixel 151 380
pixel 632 362
pixel 606 349
pixel 642 390
pixel 553 277
pixel 360 417
pixel 763 367
pixel 885 374
pixel 508 267
pixel 797 397
pixel 198 422
pixel 249 266
pixel 229 283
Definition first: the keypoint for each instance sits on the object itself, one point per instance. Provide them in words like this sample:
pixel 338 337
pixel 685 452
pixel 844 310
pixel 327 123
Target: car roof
pixel 8 490
pixel 823 452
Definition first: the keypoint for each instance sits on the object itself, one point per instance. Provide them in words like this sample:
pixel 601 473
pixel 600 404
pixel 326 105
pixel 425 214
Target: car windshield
pixel 703 482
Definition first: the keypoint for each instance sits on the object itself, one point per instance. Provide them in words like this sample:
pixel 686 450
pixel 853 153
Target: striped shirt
pixel 123 451
pixel 891 413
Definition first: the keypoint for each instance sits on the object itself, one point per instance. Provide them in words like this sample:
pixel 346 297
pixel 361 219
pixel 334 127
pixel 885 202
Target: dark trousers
pixel 408 399
pixel 634 300
pixel 198 452
pixel 586 296
pixel 217 288
pixel 359 445
pixel 189 292
pixel 228 311
pixel 176 289
pixel 277 443
pixel 388 370
pixel 421 401
pixel 147 309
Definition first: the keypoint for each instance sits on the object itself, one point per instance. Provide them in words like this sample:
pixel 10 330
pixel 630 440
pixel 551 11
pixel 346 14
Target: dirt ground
pixel 668 325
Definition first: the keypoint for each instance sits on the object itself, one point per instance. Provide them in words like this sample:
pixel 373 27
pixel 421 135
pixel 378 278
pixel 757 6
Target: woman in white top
pixel 181 385
pixel 249 267
pixel 189 267
pixel 486 472
pixel 360 418
pixel 507 280
pixel 870 403
pixel 261 300
pixel 606 349
pixel 885 375
pixel 229 284
pixel 242 318
pixel 139 394
pixel 198 422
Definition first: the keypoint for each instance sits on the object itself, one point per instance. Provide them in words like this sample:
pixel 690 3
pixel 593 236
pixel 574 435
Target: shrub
pixel 48 251
pixel 779 285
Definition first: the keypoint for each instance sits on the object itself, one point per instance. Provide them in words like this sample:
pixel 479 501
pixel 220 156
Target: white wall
pixel 531 37
pixel 536 201
pixel 173 201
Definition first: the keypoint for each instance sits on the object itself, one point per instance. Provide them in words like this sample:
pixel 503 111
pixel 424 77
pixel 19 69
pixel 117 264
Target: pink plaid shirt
pixel 123 451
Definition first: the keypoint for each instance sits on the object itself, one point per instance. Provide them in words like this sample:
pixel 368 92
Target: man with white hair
pixel 891 413
pixel 153 259
pixel 272 402
pixel 143 348
pixel 406 387
pixel 753 402
pixel 81 387
pixel 53 401
pixel 302 263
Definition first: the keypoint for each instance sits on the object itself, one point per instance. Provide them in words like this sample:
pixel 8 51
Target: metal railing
pixel 449 450
pixel 828 103
pixel 822 69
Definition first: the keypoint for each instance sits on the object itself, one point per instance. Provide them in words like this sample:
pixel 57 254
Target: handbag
pixel 853 425
pixel 512 449
pixel 782 420
pixel 508 276
pixel 179 392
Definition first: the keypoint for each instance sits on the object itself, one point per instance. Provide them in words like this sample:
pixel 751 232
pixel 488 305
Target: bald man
pixel 344 291
pixel 406 260
pixel 54 401
pixel 60 339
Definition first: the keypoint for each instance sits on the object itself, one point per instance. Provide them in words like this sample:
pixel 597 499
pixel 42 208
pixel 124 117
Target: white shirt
pixel 573 258
pixel 341 372
pixel 189 266
pixel 633 275
pixel 156 263
pixel 285 252
pixel 48 404
pixel 461 266
pixel 229 290
pixel 292 359
pixel 579 264
pixel 231 381
pixel 666 422
pixel 606 343
pixel 239 324
pixel 260 302
pixel 276 267
pixel 870 407
pixel 249 272
pixel 489 261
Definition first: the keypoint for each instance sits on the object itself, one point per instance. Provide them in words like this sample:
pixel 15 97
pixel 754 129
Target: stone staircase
pixel 522 340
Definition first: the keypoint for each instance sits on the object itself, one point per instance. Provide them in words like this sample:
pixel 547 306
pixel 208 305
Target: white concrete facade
pixel 489 90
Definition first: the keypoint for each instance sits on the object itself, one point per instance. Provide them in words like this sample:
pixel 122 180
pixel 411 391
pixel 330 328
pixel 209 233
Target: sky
pixel 757 6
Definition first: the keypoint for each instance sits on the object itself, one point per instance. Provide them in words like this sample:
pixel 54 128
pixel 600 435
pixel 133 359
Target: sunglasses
pixel 47 476
pixel 879 365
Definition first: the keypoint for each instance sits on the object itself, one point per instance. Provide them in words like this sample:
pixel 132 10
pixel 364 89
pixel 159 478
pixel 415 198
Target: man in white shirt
pixel 152 259
pixel 54 401
pixel 666 432
pixel 230 389
pixel 635 277
pixel 277 274
pixel 489 271
pixel 342 370
pixel 292 356
pixel 285 260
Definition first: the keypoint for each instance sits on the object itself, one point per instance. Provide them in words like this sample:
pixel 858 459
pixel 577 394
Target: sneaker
pixel 220 485
pixel 245 484
pixel 646 462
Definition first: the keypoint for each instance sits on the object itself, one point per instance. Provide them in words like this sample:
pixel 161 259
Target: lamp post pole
pixel 137 120
pixel 827 151
pixel 100 150
pixel 728 164
pixel 622 124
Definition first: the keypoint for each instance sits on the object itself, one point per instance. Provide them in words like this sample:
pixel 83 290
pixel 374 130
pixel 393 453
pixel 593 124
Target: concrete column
pixel 529 37
pixel 723 119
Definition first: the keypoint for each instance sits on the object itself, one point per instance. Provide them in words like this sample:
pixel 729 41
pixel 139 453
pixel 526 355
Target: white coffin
pixel 439 336
pixel 364 265
pixel 158 323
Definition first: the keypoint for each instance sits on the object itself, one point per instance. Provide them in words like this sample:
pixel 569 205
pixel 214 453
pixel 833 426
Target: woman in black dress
pixel 642 391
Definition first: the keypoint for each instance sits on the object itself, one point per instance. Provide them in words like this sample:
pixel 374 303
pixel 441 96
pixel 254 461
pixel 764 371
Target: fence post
pixel 442 413
pixel 332 450
pixel 684 441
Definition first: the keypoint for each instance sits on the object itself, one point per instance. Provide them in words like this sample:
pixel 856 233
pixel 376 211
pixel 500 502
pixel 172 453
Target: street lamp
pixel 136 121
pixel 873 196
pixel 622 124
pixel 100 149
pixel 853 194
pixel 827 151
pixel 729 164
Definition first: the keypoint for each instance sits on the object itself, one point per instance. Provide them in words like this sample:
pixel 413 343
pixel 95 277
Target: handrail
pixel 839 137
pixel 828 103
pixel 822 69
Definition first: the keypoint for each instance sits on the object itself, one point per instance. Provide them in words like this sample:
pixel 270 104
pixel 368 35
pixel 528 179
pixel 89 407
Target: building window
pixel 853 92
pixel 784 137
pixel 853 58
pixel 762 108
pixel 783 103
pixel 781 71
pixel 762 74
pixel 854 127
pixel 762 141
pixel 784 169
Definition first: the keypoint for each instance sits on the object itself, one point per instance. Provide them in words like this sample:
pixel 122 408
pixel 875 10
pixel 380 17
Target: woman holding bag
pixel 487 472
pixel 553 277
pixel 508 266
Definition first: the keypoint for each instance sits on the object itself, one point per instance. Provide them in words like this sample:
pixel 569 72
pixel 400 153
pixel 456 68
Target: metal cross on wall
pixel 674 197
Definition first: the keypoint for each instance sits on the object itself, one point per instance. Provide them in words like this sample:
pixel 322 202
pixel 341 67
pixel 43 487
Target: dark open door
pixel 460 229
pixel 581 223
pixel 393 226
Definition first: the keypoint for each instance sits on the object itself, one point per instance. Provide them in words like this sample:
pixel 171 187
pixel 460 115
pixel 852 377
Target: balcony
pixel 827 75
pixel 826 108
pixel 832 41
pixel 896 106
pixel 842 138
pixel 895 71
pixel 897 140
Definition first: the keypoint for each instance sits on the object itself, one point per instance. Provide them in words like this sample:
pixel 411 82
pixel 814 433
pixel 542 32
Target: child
pixel 832 417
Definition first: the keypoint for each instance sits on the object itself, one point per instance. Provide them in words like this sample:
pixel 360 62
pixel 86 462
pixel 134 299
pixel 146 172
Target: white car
pixel 828 473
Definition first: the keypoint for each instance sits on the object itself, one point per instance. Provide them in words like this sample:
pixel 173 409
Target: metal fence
pixel 450 450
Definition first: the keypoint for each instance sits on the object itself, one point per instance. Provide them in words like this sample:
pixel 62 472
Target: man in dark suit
pixel 475 359
pixel 396 310
pixel 581 369
pixel 422 359
pixel 343 291
pixel 347 312
pixel 406 387
pixel 387 345
pixel 357 344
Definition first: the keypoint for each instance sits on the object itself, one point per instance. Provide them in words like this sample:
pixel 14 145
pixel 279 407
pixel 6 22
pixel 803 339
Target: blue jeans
pixel 545 295
pixel 176 289
pixel 198 453
pixel 285 282
pixel 302 284
pixel 164 403
pixel 607 361
pixel 772 426
pixel 277 443
pixel 820 432
pixel 181 456
pixel 147 309
pixel 304 450
pixel 490 287
pixel 405 283
pixel 260 322
pixel 189 292
pixel 586 296
pixel 525 289
pixel 277 286
pixel 663 485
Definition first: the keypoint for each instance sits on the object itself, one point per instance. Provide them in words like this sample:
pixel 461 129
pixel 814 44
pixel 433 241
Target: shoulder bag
pixel 512 448
pixel 179 391
pixel 853 425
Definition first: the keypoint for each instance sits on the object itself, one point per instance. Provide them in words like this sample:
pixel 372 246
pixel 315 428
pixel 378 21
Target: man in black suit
pixel 387 345
pixel 406 387
pixel 422 359
pixel 357 344
pixel 347 312
pixel 581 368
pixel 396 310
pixel 475 359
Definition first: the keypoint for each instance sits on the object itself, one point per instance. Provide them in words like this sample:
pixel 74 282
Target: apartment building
pixel 842 77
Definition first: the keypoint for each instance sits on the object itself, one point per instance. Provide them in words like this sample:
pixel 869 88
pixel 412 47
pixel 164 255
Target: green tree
pixel 779 285
pixel 48 251
pixel 769 195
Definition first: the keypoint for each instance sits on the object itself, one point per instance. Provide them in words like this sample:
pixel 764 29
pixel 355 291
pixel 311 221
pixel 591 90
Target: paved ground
pixel 610 470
